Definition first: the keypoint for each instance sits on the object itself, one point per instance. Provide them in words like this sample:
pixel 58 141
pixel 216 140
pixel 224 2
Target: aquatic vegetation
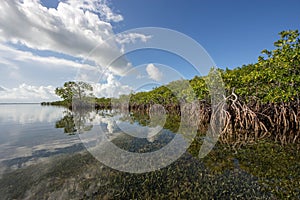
pixel 275 167
pixel 79 176
pixel 263 169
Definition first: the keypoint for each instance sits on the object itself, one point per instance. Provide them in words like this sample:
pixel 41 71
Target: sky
pixel 44 43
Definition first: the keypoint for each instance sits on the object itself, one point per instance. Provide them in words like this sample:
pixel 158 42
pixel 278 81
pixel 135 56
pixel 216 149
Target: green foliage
pixel 200 88
pixel 276 75
pixel 103 102
pixel 160 95
pixel 173 93
pixel 70 90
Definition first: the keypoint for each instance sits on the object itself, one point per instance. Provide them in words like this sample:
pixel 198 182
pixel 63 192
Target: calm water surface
pixel 42 157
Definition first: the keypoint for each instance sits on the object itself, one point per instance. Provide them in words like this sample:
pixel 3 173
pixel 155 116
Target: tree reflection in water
pixel 76 121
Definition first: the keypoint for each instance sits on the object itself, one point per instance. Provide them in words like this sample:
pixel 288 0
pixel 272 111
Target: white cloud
pixel 24 67
pixel 154 72
pixel 99 7
pixel 132 38
pixel 113 88
pixel 9 56
pixel 28 93
pixel 73 28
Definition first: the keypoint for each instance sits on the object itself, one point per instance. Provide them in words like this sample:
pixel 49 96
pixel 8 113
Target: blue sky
pixel 45 43
pixel 233 31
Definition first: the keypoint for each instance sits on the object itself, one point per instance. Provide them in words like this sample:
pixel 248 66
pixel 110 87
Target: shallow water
pixel 42 156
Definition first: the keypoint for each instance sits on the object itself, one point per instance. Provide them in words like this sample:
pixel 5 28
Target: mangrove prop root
pixel 242 122
pixel 246 123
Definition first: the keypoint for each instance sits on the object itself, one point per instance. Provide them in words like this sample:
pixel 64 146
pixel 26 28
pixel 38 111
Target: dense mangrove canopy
pixel 274 78
pixel 276 75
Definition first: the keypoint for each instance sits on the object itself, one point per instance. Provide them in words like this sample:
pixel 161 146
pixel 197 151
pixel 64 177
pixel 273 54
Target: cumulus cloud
pixel 11 57
pixel 127 38
pixel 2 89
pixel 112 88
pixel 74 28
pixel 28 93
pixel 154 72
pixel 99 7
pixel 19 67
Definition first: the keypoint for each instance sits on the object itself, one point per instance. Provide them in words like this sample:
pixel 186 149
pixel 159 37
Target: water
pixel 42 156
pixel 28 135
